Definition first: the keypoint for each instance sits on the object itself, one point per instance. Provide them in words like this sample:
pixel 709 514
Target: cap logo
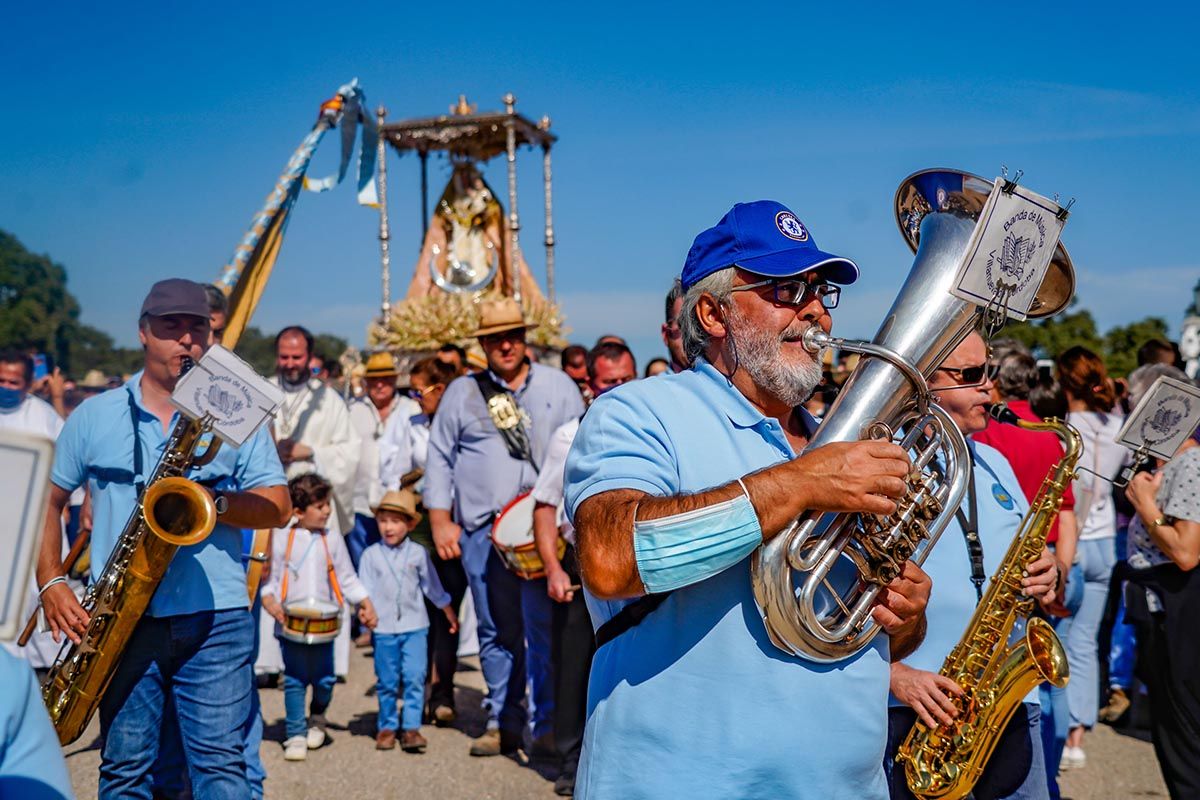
pixel 791 227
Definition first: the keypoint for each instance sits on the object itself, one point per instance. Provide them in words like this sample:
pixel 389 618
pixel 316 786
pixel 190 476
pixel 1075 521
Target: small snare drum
pixel 311 621
pixel 512 536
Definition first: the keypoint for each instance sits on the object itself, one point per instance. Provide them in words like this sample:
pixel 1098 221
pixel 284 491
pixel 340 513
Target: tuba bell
pixel 816 582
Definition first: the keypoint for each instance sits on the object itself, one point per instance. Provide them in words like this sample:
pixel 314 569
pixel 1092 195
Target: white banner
pixel 1010 249
pixel 1166 416
pixel 227 388
pixel 24 477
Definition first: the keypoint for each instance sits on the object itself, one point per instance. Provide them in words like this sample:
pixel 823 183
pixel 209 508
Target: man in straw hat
pixel 488 442
pixel 368 416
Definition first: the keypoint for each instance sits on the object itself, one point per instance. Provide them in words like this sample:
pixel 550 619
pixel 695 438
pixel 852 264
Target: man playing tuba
pixel 672 483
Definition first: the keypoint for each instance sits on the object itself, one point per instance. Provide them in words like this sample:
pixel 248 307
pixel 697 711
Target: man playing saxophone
pixel 969 550
pixel 672 483
pixel 194 642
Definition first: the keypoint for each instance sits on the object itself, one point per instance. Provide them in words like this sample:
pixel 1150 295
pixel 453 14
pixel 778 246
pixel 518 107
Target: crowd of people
pixel 383 491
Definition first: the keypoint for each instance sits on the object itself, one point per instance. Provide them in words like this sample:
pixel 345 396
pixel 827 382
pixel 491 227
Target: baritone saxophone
pixel 945 762
pixel 171 513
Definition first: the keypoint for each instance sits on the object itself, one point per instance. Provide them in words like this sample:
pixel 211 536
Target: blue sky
pixel 141 139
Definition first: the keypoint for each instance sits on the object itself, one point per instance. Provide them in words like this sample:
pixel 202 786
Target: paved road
pixel 1120 767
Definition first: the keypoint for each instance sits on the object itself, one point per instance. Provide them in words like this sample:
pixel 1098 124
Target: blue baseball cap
pixel 766 238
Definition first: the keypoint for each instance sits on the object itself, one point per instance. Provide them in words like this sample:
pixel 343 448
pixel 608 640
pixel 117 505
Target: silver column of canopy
pixel 514 221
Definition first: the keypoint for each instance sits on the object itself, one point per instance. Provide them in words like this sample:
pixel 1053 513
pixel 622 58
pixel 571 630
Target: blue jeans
pixel 1122 652
pixel 1017 757
pixel 400 657
pixel 1056 717
pixel 497 597
pixel 364 534
pixel 202 661
pixel 537 613
pixel 306 665
pixel 1078 633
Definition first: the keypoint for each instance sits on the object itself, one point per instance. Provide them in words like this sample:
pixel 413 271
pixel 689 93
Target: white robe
pixel 318 418
pixel 368 488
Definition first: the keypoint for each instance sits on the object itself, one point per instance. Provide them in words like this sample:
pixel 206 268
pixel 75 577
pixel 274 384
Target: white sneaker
pixel 295 749
pixel 316 738
pixel 1073 758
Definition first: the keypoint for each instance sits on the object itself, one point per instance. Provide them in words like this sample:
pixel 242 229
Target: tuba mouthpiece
pixel 815 339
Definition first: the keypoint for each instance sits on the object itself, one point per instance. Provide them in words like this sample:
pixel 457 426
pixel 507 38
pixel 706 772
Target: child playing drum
pixel 311 575
pixel 396 571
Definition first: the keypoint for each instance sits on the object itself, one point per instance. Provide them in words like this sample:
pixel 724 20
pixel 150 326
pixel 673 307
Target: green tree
pixel 1122 342
pixel 258 348
pixel 1049 337
pixel 39 314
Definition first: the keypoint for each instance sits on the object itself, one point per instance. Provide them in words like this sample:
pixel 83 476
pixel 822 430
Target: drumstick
pixel 574 587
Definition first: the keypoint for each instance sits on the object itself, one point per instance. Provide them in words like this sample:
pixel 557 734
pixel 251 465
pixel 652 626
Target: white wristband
pixel 51 582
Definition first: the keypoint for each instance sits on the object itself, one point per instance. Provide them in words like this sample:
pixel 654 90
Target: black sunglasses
pixel 792 292
pixel 972 376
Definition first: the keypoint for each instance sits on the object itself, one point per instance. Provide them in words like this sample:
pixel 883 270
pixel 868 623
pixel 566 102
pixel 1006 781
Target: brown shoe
pixel 385 739
pixel 486 745
pixel 444 715
pixel 412 742
pixel 363 639
pixel 1118 704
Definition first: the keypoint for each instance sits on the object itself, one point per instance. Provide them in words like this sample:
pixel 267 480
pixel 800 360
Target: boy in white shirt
pixel 396 571
pixel 308 564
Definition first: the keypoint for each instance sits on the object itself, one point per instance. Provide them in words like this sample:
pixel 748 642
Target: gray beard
pixel 760 354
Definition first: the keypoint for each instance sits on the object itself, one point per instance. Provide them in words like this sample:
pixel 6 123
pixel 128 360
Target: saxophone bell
pixel 179 511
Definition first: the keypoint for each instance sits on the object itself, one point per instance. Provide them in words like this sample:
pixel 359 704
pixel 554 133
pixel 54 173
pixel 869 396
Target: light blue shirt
pixel 695 701
pixel 468 467
pixel 395 578
pixel 31 760
pixel 96 446
pixel 1001 505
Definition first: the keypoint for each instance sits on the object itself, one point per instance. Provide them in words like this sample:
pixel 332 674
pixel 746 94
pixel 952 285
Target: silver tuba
pixel 816 582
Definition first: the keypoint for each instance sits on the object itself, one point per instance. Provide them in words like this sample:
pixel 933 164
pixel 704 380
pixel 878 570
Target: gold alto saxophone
pixel 946 762
pixel 172 512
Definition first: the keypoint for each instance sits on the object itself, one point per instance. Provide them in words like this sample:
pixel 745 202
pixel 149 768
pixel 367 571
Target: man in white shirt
pixel 572 643
pixel 313 433
pixel 19 410
pixel 369 415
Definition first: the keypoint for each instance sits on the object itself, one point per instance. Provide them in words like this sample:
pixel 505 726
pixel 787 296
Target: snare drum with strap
pixel 512 536
pixel 310 620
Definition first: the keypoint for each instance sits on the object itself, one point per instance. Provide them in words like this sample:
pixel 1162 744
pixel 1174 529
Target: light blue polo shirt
pixel 96 446
pixel 31 759
pixel 695 701
pixel 1001 506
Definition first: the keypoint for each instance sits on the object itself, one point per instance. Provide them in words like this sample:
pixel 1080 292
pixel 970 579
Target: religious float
pixel 470 249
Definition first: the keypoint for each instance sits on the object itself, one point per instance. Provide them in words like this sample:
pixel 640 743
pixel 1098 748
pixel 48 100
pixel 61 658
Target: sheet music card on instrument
pixel 1165 417
pixel 24 478
pixel 1010 250
pixel 227 388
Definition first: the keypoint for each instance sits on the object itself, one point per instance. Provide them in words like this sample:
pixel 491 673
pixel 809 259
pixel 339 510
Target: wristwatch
pixel 220 502
pixel 1158 523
